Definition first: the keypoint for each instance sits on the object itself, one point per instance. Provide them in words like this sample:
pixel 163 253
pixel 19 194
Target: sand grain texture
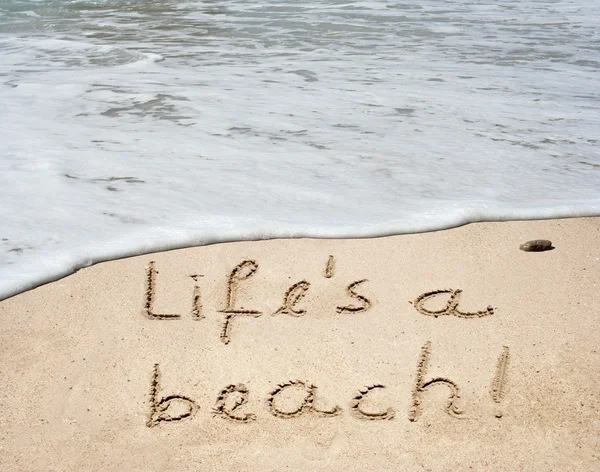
pixel 301 361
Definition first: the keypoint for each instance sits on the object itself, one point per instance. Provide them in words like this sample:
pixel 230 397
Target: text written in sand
pixel 293 398
pixel 356 301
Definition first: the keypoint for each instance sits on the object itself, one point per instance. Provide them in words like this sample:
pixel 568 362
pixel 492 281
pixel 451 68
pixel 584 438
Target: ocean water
pixel 128 126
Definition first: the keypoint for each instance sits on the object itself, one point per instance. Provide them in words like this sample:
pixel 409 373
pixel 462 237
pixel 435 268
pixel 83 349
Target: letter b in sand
pixel 170 408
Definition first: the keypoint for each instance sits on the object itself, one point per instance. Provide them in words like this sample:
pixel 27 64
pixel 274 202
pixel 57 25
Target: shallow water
pixel 135 126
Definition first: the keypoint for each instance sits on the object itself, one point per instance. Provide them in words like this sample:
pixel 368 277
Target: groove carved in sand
pixel 364 304
pixel 241 397
pixel 451 307
pixel 306 404
pixel 150 293
pixel 196 300
pixel 159 406
pixel 330 267
pixel 420 386
pixel 499 381
pixel 291 298
pixel 355 406
pixel 244 270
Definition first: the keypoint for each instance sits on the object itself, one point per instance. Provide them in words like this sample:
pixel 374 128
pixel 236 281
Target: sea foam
pixel 135 126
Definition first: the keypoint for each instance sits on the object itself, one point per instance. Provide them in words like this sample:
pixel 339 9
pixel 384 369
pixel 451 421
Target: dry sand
pixel 188 363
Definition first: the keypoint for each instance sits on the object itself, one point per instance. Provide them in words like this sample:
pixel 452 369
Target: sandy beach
pixel 449 350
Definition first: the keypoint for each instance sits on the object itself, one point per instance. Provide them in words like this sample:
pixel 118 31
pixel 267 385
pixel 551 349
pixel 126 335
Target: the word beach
pixel 293 398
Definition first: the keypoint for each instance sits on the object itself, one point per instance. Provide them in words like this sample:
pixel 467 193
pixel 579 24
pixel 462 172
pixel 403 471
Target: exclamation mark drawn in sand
pixel 196 300
pixel 244 270
pixel 330 267
pixel 499 381
pixel 148 310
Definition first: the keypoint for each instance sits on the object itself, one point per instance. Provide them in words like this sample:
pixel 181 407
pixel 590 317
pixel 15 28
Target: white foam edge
pixel 165 239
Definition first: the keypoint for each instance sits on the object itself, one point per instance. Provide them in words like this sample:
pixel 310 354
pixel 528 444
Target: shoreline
pixel 253 236
pixel 442 350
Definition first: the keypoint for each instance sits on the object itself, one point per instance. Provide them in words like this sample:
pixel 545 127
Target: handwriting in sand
pixel 291 305
pixel 232 400
pixel 305 399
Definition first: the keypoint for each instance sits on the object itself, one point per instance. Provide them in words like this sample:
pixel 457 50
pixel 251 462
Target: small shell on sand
pixel 537 245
